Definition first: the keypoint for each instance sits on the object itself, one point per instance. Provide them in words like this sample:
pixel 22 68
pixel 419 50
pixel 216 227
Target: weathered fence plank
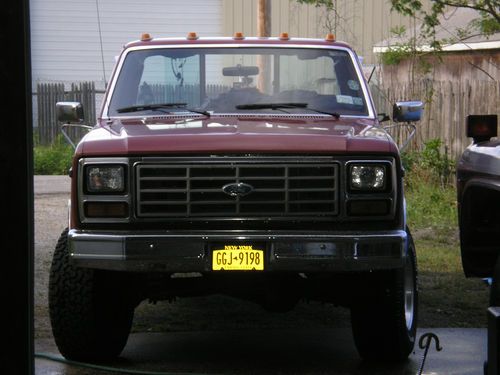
pixel 447 105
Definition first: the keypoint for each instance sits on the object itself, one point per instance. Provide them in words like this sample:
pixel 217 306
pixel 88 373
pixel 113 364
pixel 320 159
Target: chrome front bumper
pixel 284 251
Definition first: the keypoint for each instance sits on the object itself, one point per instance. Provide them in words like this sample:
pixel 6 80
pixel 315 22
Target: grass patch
pixel 432 206
pixel 447 297
pixel 52 160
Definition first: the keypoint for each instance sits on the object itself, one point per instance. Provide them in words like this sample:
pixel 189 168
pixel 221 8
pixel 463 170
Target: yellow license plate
pixel 237 258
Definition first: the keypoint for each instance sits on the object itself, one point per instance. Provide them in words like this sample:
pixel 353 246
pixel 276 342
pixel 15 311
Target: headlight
pixel 105 179
pixel 368 177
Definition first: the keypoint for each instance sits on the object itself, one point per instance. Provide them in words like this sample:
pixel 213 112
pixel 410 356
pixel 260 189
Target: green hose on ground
pixel 57 358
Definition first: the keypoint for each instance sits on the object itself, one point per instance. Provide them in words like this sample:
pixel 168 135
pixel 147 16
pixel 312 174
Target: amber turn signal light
pixel 238 35
pixel 146 37
pixel 106 209
pixel 368 207
pixel 330 37
pixel 284 36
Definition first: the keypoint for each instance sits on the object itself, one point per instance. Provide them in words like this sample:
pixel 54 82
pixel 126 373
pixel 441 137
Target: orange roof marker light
pixel 284 36
pixel 192 36
pixel 146 37
pixel 330 37
pixel 238 35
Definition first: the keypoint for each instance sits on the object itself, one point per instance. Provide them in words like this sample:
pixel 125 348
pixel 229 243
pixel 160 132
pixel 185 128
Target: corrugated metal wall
pixel 362 23
pixel 65 41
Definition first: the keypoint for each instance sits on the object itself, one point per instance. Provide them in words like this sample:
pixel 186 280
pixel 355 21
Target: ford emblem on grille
pixel 239 189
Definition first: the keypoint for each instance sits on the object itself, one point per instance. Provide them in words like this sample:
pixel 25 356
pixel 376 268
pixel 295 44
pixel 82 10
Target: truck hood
pixel 481 159
pixel 232 134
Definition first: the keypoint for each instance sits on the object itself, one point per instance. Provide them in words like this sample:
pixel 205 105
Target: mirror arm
pixel 410 136
pixel 385 117
pixel 66 135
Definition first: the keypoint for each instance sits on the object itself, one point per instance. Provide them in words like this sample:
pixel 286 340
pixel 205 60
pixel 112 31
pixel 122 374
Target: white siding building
pixel 66 35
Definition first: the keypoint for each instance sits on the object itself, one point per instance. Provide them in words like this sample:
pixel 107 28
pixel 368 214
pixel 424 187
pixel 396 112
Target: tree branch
pixel 487 8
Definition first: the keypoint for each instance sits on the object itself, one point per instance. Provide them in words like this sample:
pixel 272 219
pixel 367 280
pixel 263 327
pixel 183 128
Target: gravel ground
pixel 50 220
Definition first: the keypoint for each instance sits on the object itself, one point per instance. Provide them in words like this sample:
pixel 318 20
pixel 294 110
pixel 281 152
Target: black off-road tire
pixel 90 316
pixel 384 324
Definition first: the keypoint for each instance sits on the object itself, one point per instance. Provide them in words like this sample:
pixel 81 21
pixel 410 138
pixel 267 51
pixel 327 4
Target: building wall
pixel 65 39
pixel 362 23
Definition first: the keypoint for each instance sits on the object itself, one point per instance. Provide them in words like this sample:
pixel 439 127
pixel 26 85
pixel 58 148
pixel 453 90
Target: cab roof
pixel 193 39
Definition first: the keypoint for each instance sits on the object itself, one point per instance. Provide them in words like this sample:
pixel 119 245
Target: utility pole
pixel 264 61
pixel 264 20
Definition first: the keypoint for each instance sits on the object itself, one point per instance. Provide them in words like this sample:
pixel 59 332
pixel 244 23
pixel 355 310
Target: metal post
pixel 264 30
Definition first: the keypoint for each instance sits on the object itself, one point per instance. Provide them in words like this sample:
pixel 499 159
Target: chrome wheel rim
pixel 409 293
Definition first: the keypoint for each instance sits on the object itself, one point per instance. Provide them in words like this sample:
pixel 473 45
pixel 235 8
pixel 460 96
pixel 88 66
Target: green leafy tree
pixel 487 22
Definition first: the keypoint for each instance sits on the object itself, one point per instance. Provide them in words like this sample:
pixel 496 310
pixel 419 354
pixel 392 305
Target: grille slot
pixel 280 189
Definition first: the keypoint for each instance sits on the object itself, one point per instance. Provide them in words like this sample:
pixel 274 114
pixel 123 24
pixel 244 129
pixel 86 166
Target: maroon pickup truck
pixel 253 167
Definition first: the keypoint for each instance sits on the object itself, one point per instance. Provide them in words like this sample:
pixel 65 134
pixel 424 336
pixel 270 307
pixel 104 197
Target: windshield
pixel 238 80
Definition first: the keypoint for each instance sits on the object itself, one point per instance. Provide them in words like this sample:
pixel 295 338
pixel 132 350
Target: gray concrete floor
pixel 51 184
pixel 276 352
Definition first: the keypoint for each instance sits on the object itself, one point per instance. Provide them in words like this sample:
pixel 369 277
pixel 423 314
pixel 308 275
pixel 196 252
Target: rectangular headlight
pixel 105 178
pixel 368 177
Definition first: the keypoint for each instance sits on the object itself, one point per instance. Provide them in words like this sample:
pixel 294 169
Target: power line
pixel 100 40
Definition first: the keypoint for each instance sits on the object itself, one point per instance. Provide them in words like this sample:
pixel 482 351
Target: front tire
pixel 89 312
pixel 384 325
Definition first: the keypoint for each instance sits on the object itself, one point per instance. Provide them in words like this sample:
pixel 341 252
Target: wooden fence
pixel 447 105
pixel 48 94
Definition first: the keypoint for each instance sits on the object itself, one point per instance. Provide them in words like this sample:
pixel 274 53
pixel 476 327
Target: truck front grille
pixel 306 188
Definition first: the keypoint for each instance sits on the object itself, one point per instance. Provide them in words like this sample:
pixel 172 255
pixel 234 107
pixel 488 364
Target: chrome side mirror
pixel 69 112
pixel 71 115
pixel 407 111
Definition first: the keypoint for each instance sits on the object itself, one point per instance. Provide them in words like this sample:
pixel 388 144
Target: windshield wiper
pixel 278 106
pixel 271 105
pixel 160 106
pixel 334 114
